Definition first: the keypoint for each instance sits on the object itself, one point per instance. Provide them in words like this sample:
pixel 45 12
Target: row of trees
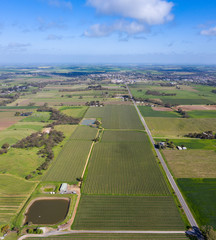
pixel 157 93
pixel 58 117
pixel 183 113
pixel 203 135
pixel 45 142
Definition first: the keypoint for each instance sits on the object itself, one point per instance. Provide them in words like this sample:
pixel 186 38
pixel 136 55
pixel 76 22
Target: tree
pixel 208 232
pixel 5 146
pixel 5 229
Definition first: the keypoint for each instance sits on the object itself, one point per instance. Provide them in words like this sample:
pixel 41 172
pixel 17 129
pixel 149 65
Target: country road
pixel 185 207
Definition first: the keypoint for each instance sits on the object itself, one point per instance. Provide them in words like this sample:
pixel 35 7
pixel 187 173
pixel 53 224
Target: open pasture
pixel 20 162
pixel 7 119
pixel 127 213
pixel 116 117
pixel 204 144
pixel 119 236
pixel 200 195
pixel 13 193
pixel 149 112
pixel 37 117
pixel 124 167
pixel 192 163
pixel 74 111
pixel 178 127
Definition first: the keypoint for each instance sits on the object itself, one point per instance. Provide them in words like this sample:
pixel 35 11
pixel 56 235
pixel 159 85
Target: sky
pixel 108 31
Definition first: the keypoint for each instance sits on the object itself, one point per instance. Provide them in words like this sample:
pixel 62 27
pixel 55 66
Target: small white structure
pixel 64 188
pixel 179 148
pixel 184 148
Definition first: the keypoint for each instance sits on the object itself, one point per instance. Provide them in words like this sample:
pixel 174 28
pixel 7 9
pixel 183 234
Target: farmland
pixel 200 195
pixel 192 163
pixel 204 144
pixel 71 160
pixel 185 95
pixel 75 111
pixel 149 112
pixel 124 167
pixel 92 236
pixel 123 213
pixel 178 127
pixel 13 194
pixel 116 117
pixel 202 114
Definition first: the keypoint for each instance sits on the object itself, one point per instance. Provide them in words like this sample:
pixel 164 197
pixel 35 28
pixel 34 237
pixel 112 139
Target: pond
pixel 46 211
pixel 88 122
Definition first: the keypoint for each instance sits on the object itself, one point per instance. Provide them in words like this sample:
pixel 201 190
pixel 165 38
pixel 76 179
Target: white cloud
pixel 103 30
pixel 148 11
pixel 60 3
pixel 209 32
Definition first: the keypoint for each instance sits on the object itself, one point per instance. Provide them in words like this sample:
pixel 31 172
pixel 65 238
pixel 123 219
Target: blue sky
pixel 108 31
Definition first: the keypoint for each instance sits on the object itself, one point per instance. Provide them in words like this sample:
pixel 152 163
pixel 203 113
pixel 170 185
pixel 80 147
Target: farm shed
pixel 63 188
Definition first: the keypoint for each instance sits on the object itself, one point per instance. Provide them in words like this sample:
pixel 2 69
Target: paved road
pixel 185 207
pixel 55 233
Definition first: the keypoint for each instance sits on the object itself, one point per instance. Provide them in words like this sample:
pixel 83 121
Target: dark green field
pixel 200 195
pixel 92 236
pixel 120 166
pixel 127 213
pixel 116 117
pixel 149 112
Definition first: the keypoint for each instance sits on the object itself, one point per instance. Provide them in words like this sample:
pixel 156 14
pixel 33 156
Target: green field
pixel 116 117
pixel 92 236
pixel 13 193
pixel 76 111
pixel 20 162
pixel 149 112
pixel 178 127
pixel 207 144
pixel 121 166
pixel 37 117
pixel 186 95
pixel 200 195
pixel 70 162
pixel 127 213
pixel 84 133
pixel 202 114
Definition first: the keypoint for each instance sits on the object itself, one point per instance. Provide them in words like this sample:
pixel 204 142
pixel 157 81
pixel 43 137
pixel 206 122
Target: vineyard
pixel 127 213
pixel 116 117
pixel 119 236
pixel 124 167
pixel 13 193
pixel 71 161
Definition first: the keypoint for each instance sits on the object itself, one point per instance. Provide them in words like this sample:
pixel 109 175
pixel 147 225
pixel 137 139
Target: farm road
pixel 187 211
pixel 56 233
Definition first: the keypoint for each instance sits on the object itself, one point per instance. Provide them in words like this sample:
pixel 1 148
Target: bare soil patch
pixel 196 107
pixel 162 109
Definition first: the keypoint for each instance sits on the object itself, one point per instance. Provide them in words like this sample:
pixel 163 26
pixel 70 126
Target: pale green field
pixel 178 127
pixel 76 112
pixel 192 163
